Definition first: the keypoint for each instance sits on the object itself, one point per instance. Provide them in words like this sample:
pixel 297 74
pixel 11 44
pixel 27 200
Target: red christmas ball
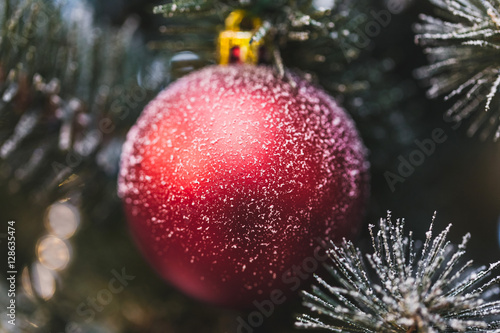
pixel 231 174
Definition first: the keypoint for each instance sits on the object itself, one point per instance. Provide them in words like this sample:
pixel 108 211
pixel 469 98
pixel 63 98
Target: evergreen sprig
pixel 184 7
pixel 290 21
pixel 404 286
pixel 68 88
pixel 464 50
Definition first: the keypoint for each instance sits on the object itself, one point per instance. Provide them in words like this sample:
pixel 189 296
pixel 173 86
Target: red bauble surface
pixel 231 174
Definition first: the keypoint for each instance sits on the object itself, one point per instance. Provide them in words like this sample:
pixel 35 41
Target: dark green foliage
pixel 69 93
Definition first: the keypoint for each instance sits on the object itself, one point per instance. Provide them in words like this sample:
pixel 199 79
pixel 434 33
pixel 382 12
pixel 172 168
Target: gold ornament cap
pixel 234 45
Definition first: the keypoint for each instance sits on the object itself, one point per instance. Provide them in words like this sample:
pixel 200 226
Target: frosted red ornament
pixel 231 174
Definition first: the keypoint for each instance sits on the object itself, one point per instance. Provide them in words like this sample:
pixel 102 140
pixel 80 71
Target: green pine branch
pixel 288 21
pixel 67 88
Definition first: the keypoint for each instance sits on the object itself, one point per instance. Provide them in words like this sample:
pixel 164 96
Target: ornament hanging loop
pixel 235 44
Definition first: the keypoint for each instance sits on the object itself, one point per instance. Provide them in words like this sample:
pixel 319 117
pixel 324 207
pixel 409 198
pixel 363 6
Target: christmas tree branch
pixel 62 80
pixel 288 20
pixel 463 49
pixel 403 287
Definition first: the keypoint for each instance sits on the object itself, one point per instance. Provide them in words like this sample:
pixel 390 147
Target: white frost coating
pixel 404 286
pixel 267 166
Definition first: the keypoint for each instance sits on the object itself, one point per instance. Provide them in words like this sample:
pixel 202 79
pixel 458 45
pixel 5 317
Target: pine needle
pixel 401 287
pixel 464 51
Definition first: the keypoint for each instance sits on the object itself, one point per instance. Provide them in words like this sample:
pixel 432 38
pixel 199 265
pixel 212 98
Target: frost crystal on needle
pixel 464 50
pixel 404 287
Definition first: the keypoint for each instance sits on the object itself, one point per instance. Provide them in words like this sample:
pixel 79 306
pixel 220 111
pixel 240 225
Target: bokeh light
pixel 26 282
pixel 63 219
pixel 43 281
pixel 53 252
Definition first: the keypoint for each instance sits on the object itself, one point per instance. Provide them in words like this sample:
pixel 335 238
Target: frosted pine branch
pixel 183 7
pixel 464 51
pixel 403 287
pixel 289 21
